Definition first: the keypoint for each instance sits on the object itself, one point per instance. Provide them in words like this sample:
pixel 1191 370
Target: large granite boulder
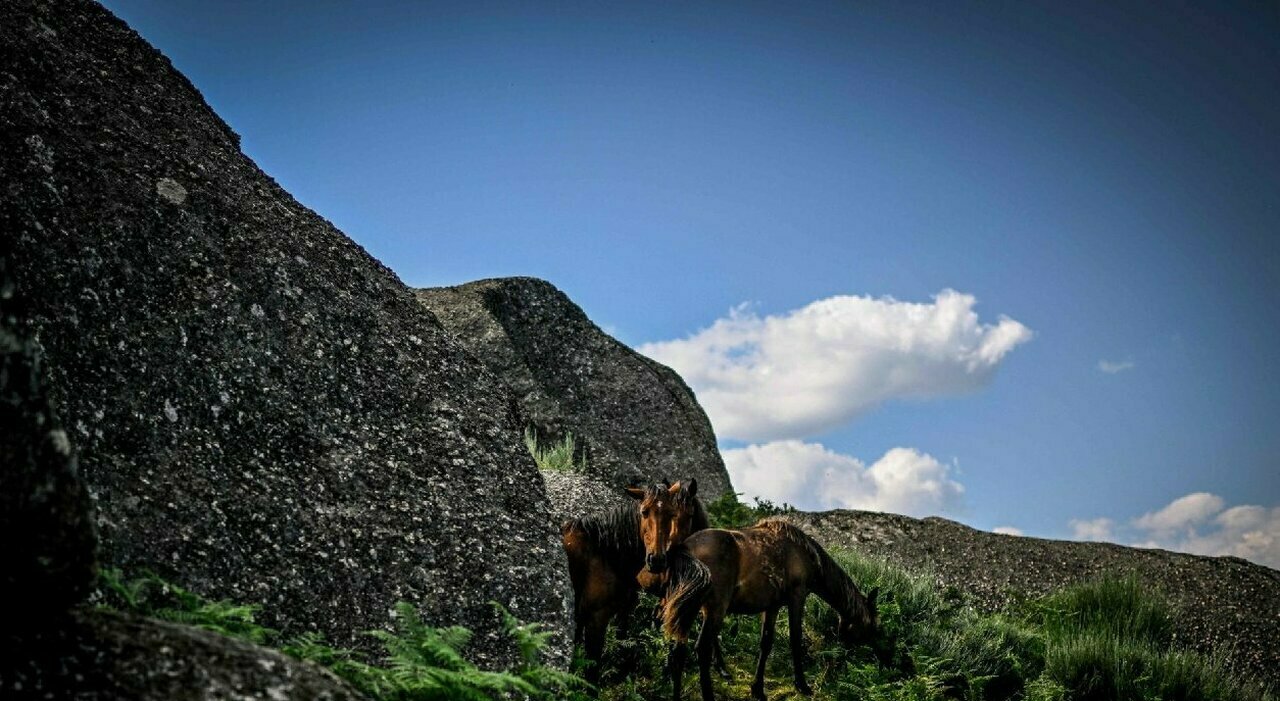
pixel 633 418
pixel 264 412
pixel 51 648
pixel 1224 604
pixel 46 529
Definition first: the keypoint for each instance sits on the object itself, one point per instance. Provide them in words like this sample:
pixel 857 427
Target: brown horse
pixel 608 551
pixel 759 570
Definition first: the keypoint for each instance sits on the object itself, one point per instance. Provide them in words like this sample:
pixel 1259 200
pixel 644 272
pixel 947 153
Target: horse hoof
pixel 804 689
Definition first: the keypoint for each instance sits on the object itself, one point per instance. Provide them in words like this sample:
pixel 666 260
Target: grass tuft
pixel 556 457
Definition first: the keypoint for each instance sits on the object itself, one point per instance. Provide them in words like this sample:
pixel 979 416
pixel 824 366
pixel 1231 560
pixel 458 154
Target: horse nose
pixel 656 562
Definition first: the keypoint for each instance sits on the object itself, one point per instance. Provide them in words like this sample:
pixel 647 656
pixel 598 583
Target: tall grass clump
pixel 1113 639
pixel 556 456
pixel 1117 606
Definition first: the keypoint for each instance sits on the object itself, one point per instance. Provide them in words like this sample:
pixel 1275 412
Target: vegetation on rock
pixel 421 662
pixel 556 456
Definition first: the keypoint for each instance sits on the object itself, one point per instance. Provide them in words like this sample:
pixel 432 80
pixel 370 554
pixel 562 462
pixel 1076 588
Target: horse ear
pixel 871 598
pixel 635 492
pixel 693 486
pixel 673 489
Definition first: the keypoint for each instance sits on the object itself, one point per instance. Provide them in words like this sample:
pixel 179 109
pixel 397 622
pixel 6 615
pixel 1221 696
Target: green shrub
pixel 727 512
pixel 556 457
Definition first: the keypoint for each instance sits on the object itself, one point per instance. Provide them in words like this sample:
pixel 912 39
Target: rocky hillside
pixel 1225 603
pixel 264 412
pixel 633 417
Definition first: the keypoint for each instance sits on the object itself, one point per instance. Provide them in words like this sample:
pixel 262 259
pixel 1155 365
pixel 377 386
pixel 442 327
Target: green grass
pixel 420 662
pixel 1108 639
pixel 555 457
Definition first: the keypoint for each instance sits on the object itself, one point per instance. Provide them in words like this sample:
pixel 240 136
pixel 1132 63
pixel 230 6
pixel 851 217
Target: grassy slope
pixel 1108 639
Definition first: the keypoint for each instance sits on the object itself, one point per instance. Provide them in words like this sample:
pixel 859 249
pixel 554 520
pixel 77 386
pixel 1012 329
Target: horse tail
pixel 689 582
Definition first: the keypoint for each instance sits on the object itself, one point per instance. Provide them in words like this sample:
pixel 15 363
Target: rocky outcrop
pixel 106 655
pixel 1223 603
pixel 633 418
pixel 264 412
pixel 47 539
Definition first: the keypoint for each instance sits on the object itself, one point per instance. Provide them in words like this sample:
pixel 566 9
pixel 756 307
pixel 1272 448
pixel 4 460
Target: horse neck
pixel 700 520
pixel 835 587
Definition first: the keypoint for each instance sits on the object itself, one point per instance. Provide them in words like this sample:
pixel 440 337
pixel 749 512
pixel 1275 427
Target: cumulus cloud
pixel 1198 523
pixel 810 476
pixel 1007 530
pixel 815 368
pixel 1111 367
pixel 1181 513
pixel 1091 529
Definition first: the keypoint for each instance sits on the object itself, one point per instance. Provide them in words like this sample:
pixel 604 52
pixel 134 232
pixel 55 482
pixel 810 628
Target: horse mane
pixel 837 587
pixel 688 581
pixel 614 534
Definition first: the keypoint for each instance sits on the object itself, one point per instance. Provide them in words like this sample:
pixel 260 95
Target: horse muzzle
pixel 656 564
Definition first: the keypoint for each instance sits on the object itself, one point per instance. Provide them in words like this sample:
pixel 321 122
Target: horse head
pixel 666 519
pixel 860 626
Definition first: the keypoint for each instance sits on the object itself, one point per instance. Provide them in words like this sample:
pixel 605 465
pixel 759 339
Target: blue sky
pixel 1106 175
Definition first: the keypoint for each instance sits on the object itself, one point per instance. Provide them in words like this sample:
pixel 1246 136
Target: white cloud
pixel 809 476
pixel 1197 523
pixel 1181 513
pixel 815 368
pixel 1111 367
pixel 1092 529
pixel 1007 530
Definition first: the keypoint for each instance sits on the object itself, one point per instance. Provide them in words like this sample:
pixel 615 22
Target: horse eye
pixel 644 513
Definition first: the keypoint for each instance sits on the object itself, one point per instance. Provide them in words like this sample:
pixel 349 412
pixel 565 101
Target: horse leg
pixel 595 634
pixel 795 621
pixel 628 606
pixel 768 619
pixel 708 642
pixel 675 665
pixel 721 666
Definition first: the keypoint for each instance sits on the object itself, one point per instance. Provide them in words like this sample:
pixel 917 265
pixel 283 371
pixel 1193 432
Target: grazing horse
pixel 760 569
pixel 607 552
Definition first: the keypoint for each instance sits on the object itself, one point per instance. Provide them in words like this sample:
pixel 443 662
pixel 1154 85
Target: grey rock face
pixel 575 494
pixel 633 417
pixel 264 413
pixel 46 531
pixel 1223 603
pixel 106 656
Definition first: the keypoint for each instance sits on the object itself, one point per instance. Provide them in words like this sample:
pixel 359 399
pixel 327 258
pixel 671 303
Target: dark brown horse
pixel 607 552
pixel 759 570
